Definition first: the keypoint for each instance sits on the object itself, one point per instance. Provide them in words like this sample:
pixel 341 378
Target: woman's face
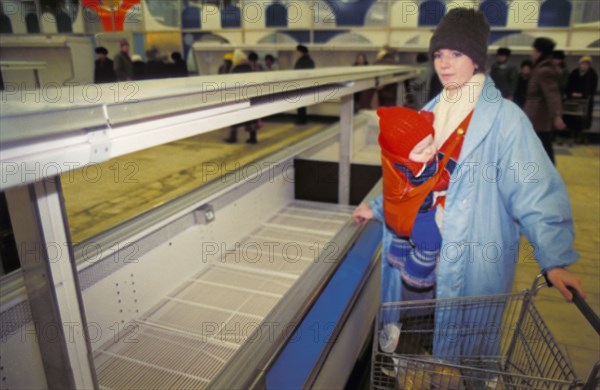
pixel 584 66
pixel 453 68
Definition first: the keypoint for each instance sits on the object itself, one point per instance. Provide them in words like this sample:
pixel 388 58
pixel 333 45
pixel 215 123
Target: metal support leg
pixel 346 130
pixel 401 91
pixel 41 232
pixel 36 76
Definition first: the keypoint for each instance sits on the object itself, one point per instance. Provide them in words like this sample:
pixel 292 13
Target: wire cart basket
pixel 489 342
pixel 576 107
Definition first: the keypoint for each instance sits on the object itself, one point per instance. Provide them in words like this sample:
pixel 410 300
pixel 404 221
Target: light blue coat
pixel 504 186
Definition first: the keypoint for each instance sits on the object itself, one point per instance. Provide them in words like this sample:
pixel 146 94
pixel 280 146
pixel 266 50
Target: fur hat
pixel 503 51
pixel 465 30
pixel 302 49
pixel 544 45
pixel 402 128
pixel 101 50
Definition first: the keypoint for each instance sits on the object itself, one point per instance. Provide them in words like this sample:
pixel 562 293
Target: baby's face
pixel 423 151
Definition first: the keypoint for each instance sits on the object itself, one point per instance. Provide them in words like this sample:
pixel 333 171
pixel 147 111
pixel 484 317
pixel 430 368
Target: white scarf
pixel 451 111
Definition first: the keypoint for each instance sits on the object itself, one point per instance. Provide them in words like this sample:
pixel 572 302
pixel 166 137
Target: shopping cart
pixel 577 117
pixel 491 342
pixel 576 107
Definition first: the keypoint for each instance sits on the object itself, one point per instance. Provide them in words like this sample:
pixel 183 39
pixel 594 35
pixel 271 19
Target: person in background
pixel 474 209
pixel 419 86
pixel 155 67
pixel 361 60
pixel 227 63
pixel 303 61
pixel 387 94
pixel 256 67
pixel 253 61
pixel 270 62
pixel 582 84
pixel 242 65
pixel 504 74
pixel 104 71
pixel 178 68
pixel 122 62
pixel 139 67
pixel 522 81
pixel 543 104
pixel 558 58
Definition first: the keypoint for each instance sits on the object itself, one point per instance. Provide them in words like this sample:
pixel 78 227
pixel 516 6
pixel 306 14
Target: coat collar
pixel 486 110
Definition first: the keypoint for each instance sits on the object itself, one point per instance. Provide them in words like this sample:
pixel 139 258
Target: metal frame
pixel 34 66
pixel 50 277
pixel 346 126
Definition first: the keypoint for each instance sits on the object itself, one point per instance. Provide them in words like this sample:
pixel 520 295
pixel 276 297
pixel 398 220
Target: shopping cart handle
pixel 585 309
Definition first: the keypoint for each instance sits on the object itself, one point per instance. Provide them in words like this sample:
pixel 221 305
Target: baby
pixel 411 172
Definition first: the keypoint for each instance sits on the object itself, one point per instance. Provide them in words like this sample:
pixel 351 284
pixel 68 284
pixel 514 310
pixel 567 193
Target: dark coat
pixel 520 93
pixel 244 67
pixel 584 84
pixel 304 62
pixel 155 70
pixel 123 66
pixel 104 71
pixel 543 102
pixel 505 77
pixel 225 67
pixel 139 70
pixel 177 69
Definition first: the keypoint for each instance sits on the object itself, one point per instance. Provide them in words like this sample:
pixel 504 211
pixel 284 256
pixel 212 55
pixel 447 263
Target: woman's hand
pixel 561 278
pixel 362 213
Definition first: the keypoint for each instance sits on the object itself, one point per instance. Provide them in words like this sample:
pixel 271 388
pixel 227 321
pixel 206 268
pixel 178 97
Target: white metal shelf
pixel 193 332
pixel 42 139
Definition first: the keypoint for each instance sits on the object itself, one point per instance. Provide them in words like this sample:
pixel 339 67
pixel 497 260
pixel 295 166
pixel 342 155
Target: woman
pixel 242 65
pixel 521 90
pixel 582 84
pixel 484 209
pixel 361 60
pixel 543 103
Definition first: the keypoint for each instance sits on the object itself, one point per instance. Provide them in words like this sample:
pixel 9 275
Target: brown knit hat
pixel 465 30
pixel 400 129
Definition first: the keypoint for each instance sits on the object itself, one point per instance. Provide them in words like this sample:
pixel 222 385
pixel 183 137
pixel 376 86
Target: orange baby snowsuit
pixel 400 130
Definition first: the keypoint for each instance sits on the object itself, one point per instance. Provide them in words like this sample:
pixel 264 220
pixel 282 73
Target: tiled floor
pixel 580 169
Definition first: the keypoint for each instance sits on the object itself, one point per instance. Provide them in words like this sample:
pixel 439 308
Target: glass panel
pixel 165 12
pixel 585 11
pixel 101 196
